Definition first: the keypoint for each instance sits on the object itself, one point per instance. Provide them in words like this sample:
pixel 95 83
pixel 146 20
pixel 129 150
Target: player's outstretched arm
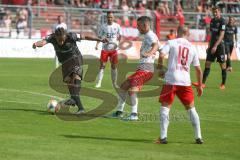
pixel 96 47
pixel 198 71
pixel 91 38
pixel 39 44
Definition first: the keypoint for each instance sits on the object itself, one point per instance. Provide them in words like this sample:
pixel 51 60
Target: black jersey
pixel 68 49
pixel 216 26
pixel 229 32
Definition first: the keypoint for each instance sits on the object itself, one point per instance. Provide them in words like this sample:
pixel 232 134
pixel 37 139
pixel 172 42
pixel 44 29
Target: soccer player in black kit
pixel 230 38
pixel 71 59
pixel 216 48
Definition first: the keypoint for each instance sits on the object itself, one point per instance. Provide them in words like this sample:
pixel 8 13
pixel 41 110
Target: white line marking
pixel 21 102
pixel 30 92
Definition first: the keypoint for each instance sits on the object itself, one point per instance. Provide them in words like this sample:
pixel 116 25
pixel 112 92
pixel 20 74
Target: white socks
pixel 164 121
pixel 134 102
pixel 121 100
pixel 100 77
pixel 195 122
pixel 114 76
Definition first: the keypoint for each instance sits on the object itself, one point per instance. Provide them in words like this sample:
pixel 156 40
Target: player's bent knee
pixel 113 66
pixel 208 64
pixel 165 104
pixel 102 67
pixel 75 77
pixel 189 106
pixel 125 85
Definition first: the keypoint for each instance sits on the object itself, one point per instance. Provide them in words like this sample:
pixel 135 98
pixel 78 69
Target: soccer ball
pixel 52 106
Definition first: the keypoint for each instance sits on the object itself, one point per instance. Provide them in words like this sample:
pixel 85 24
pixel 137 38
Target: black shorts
pixel 219 54
pixel 228 48
pixel 72 66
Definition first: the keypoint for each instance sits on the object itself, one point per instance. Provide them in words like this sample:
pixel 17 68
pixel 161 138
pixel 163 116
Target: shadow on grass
pixel 108 138
pixel 26 110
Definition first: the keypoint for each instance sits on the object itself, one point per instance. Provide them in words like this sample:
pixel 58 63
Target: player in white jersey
pixel 111 31
pixel 144 71
pixel 177 81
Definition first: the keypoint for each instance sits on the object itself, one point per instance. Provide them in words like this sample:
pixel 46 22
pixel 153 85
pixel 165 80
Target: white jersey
pixel 111 32
pixel 181 56
pixel 147 63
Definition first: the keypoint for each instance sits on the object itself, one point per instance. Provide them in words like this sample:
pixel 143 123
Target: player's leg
pixel 134 104
pixel 209 59
pixel 166 98
pixel 206 71
pixel 103 61
pixel 229 49
pixel 72 74
pixel 76 92
pixel 186 96
pixel 122 96
pixel 137 80
pixel 114 62
pixel 224 75
pixel 221 58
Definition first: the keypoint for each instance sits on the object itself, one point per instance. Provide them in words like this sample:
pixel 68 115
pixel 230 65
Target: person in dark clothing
pixel 65 46
pixel 230 38
pixel 216 47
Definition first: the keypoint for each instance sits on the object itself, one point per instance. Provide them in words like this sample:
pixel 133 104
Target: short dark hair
pixel 182 30
pixel 215 8
pixel 144 19
pixel 109 12
pixel 60 31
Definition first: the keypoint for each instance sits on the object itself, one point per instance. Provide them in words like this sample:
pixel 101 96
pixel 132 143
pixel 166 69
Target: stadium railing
pixel 41 19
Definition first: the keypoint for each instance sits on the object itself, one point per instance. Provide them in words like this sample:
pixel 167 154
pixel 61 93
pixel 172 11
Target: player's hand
pixel 161 74
pixel 200 91
pixel 214 48
pixel 96 48
pixel 34 46
pixel 161 71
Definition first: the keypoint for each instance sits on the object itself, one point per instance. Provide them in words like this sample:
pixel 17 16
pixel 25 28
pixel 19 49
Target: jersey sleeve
pixel 153 38
pixel 166 48
pixel 235 31
pixel 195 60
pixel 75 36
pixel 49 38
pixel 223 25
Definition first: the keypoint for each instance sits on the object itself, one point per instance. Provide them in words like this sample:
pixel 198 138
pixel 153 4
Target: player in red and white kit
pixel 181 55
pixel 145 69
pixel 111 31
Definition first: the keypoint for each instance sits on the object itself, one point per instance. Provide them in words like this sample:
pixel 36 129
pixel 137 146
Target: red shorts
pixel 139 78
pixel 109 54
pixel 184 93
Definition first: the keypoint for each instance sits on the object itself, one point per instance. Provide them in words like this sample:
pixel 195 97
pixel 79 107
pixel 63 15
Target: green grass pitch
pixel 28 132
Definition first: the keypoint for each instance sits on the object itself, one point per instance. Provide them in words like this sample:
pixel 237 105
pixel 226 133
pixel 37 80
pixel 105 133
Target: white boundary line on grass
pixel 27 92
pixel 21 102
